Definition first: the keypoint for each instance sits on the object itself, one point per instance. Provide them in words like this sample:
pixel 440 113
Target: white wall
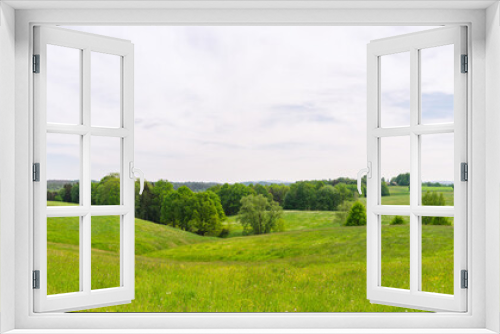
pixel 7 159
pixel 492 164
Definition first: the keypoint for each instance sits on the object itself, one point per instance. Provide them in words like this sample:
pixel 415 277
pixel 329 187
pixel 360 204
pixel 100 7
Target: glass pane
pixel 437 254
pixel 395 90
pixel 63 255
pixel 105 252
pixel 396 252
pixel 105 170
pixel 437 170
pixel 395 170
pixel 437 84
pixel 106 90
pixel 63 85
pixel 63 169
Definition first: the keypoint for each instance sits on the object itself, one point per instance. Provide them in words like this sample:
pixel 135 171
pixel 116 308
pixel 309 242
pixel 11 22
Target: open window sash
pixel 414 297
pixel 85 298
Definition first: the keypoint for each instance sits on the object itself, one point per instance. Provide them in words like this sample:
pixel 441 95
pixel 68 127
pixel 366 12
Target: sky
pixel 233 104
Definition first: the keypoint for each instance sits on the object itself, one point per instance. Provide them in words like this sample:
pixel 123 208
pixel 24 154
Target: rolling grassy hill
pixel 315 266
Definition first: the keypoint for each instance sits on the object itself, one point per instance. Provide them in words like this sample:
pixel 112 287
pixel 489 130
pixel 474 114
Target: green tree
pixel 434 199
pixel 258 215
pixel 108 190
pixel 327 198
pixel 75 193
pixel 344 191
pixel 231 195
pixel 93 192
pixel 357 215
pixel 385 189
pixel 200 213
pixel 279 191
pixel 159 191
pixel 403 179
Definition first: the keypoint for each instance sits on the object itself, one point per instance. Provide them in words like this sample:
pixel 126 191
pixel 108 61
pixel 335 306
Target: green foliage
pixel 231 195
pixel 200 213
pixel 75 193
pixel 316 195
pixel 108 190
pixel 278 191
pixel 397 220
pixel 402 179
pixel 258 215
pixel 385 189
pixel 434 199
pixel 327 198
pixel 357 215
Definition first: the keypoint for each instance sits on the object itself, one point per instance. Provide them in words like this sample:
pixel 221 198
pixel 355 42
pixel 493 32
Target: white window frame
pixel 85 44
pixel 413 44
pixel 483 311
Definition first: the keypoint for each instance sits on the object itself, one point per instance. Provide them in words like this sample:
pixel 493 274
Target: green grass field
pixel 316 265
pixel 401 195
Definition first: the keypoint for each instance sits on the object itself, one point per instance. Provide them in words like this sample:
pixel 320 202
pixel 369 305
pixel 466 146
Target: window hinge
pixel 36 279
pixel 465 64
pixel 464 171
pixel 36 172
pixel 465 279
pixel 36 63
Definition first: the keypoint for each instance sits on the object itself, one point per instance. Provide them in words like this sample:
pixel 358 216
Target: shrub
pixel 357 215
pixel 397 220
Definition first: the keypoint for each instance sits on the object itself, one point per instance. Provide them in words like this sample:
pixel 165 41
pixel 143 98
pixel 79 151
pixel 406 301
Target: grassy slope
pixel 315 266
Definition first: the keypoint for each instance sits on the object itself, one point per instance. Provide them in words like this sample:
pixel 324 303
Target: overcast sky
pixel 229 104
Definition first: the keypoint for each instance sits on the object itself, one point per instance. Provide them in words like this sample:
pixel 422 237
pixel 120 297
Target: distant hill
pixel 54 185
pixel 266 183
pixel 194 186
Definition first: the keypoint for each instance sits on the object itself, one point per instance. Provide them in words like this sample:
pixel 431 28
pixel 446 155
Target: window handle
pixel 368 172
pixel 133 171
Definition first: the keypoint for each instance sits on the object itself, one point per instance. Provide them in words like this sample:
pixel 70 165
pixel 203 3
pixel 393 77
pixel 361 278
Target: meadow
pixel 316 265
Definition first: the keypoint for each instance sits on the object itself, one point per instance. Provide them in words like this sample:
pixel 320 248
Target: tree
pixel 108 190
pixel 403 179
pixel 200 213
pixel 278 191
pixel 357 215
pixel 327 198
pixel 75 193
pixel 66 194
pixel 344 191
pixel 159 191
pixel 432 198
pixel 231 195
pixel 385 189
pixel 397 220
pixel 258 215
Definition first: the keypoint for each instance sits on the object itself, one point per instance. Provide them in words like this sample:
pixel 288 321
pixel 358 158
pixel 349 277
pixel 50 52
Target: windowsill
pixel 250 331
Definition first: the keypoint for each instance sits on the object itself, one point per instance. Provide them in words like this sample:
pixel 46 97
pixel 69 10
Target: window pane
pixel 63 169
pixel 396 251
pixel 105 170
pixel 395 90
pixel 63 85
pixel 437 254
pixel 105 90
pixel 105 252
pixel 437 170
pixel 395 170
pixel 63 259
pixel 437 84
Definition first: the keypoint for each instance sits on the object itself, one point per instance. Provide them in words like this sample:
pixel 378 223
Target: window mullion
pixel 85 235
pixel 415 254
